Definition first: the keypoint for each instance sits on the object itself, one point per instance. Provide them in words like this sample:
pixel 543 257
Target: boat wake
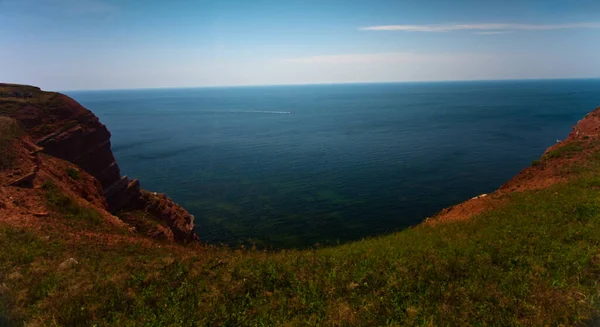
pixel 265 112
pixel 247 112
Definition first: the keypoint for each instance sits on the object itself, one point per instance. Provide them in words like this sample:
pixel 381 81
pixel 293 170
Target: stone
pixel 71 132
pixel 68 264
pixel 25 181
pixel 15 276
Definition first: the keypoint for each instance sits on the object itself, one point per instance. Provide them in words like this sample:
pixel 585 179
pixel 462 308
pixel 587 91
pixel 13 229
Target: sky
pixel 125 44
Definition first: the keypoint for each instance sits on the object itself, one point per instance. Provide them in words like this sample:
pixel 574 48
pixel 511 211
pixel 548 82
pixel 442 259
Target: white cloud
pixel 479 27
pixel 492 32
pixel 363 58
pixel 352 58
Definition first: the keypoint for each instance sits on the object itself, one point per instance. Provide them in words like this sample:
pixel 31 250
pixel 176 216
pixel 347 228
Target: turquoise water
pixel 291 166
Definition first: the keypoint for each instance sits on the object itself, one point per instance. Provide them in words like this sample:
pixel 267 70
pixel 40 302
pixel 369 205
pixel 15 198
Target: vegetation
pixel 13 97
pixel 534 261
pixel 9 131
pixel 68 208
pixel 566 150
pixel 143 221
pixel 73 173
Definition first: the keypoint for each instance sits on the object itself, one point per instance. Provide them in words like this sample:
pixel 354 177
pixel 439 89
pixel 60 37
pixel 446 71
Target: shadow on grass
pixel 3 321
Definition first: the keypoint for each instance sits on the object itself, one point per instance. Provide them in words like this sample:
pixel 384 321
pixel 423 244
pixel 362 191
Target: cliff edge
pixel 78 251
pixel 558 164
pixel 55 126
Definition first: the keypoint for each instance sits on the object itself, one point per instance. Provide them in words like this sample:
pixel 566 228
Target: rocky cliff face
pixel 66 130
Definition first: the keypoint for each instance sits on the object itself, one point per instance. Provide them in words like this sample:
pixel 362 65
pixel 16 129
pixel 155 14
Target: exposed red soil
pixel 537 176
pixel 62 136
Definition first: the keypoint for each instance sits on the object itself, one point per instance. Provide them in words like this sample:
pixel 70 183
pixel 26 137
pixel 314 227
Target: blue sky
pixel 111 44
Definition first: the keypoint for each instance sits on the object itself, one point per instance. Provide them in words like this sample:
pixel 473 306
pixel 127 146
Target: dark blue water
pixel 287 166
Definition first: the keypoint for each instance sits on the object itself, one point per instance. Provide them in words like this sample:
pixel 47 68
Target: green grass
pixel 566 150
pixel 9 131
pixel 10 104
pixel 69 208
pixel 143 221
pixel 73 173
pixel 533 261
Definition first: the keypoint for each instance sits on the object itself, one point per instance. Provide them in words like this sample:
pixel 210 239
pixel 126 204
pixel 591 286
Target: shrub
pixel 73 173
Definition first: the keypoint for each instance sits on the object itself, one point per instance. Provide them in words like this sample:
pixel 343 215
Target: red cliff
pixel 64 129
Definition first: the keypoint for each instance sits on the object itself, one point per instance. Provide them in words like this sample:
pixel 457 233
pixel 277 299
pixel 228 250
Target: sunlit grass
pixel 68 208
pixel 535 261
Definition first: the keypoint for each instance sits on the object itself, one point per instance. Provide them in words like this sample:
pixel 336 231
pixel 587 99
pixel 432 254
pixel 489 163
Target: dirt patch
pixel 556 165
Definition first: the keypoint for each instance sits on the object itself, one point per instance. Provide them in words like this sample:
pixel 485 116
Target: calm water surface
pixel 290 166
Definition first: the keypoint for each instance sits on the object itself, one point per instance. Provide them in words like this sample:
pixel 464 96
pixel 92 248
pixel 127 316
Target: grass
pixel 143 221
pixel 535 261
pixel 73 173
pixel 68 208
pixel 567 150
pixel 9 131
pixel 10 103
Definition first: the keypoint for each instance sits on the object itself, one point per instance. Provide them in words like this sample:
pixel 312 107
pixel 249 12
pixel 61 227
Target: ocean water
pixel 292 166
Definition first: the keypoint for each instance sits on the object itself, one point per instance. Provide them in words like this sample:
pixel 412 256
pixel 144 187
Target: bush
pixel 73 173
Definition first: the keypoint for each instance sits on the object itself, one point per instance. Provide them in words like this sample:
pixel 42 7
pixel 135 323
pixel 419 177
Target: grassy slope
pixel 535 261
pixel 9 131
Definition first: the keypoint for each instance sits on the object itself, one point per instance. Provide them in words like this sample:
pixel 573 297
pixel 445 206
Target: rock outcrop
pixel 63 128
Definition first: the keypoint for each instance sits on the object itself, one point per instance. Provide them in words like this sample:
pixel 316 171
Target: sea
pixel 316 165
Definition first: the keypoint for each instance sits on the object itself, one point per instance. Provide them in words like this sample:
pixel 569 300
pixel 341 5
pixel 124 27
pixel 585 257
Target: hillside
pixel 87 246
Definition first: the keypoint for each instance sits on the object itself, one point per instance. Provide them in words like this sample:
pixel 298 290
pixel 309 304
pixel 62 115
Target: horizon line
pixel 328 83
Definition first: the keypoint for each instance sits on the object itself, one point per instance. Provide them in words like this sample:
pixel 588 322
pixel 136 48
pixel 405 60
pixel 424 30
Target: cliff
pixel 555 166
pixel 61 128
pixel 527 254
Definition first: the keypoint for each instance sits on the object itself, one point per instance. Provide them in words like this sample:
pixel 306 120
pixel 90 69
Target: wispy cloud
pixel 371 58
pixel 494 27
pixel 355 58
pixel 492 32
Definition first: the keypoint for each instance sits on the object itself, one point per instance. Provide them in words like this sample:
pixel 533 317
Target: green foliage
pixel 33 259
pixel 73 173
pixel 143 221
pixel 533 261
pixel 9 131
pixel 69 208
pixel 566 150
pixel 27 95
